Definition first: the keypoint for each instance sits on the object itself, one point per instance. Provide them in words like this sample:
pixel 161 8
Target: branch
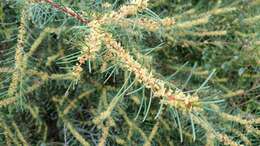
pixel 67 10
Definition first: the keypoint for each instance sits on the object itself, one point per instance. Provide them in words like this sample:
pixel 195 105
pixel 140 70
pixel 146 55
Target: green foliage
pixel 105 72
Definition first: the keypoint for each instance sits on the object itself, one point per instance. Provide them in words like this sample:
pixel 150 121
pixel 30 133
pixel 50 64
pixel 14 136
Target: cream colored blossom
pixel 145 77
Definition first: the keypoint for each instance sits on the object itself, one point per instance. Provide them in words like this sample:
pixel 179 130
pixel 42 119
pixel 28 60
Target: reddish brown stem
pixel 68 11
pixel 171 98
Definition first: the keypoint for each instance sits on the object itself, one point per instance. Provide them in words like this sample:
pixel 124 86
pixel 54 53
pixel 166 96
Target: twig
pixel 68 11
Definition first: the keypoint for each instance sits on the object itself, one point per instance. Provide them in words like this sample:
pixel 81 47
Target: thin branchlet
pixel 67 11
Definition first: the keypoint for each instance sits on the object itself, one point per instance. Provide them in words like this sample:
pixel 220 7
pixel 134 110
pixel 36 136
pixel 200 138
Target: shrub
pixel 133 72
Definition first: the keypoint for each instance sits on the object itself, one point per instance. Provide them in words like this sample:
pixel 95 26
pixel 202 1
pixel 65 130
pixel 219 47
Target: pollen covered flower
pixel 143 76
pixel 90 47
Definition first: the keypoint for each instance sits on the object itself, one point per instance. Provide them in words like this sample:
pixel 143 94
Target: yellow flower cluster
pixel 93 40
pixel 251 129
pixel 225 139
pixel 177 98
pixel 131 9
pixel 190 24
pixel 7 101
pixel 219 11
pixel 209 33
pixel 18 55
pixel 19 134
pixel 238 119
pixel 76 134
pixel 126 10
pixel 242 136
pixel 168 21
pixel 146 23
pixel 252 20
pixel 6 70
pixel 93 45
pixel 152 134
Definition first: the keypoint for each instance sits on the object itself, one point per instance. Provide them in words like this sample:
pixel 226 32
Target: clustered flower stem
pixel 158 87
pixel 18 56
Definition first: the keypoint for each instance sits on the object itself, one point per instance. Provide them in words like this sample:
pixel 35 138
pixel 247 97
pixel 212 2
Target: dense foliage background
pixel 139 72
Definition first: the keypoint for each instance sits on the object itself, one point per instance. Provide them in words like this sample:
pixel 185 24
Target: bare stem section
pixel 67 11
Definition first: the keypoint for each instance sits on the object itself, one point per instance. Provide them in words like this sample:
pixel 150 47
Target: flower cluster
pixel 93 39
pixel 209 33
pixel 157 86
pixel 93 45
pixel 226 140
pixel 7 101
pixel 190 24
pixel 18 55
pixel 146 23
pixel 131 9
